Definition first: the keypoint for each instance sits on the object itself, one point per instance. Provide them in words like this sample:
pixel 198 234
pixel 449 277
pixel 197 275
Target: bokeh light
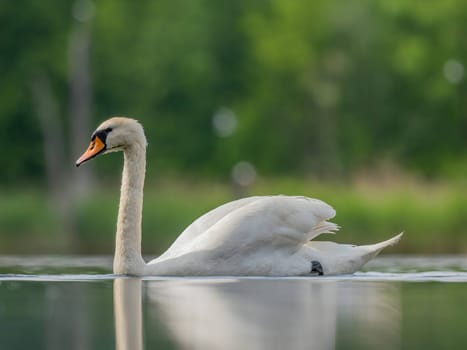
pixel 453 71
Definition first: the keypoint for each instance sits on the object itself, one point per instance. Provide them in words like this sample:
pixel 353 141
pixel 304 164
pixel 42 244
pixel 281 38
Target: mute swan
pixel 262 235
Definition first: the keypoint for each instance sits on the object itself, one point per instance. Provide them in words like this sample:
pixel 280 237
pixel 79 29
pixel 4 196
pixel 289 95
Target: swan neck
pixel 128 259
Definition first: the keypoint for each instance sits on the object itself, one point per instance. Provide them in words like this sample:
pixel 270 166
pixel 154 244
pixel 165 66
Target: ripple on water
pixel 98 268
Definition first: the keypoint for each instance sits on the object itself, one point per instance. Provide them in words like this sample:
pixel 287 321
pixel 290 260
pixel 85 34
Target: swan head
pixel 115 134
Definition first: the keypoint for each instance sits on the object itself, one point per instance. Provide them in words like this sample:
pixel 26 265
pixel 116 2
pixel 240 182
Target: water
pixel 76 303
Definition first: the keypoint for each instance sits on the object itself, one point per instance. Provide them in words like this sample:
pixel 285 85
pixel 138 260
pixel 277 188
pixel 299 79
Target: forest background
pixel 360 103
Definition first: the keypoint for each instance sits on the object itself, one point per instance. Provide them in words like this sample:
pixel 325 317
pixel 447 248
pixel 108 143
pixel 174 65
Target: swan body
pixel 253 236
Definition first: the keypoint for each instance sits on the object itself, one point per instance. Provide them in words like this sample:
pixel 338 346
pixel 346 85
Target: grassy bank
pixel 433 216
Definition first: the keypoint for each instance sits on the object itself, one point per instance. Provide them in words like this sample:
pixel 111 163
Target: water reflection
pixel 276 314
pixel 58 307
pixel 128 315
pixel 400 302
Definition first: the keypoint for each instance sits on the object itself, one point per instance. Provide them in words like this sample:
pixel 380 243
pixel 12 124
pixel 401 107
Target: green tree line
pixel 298 87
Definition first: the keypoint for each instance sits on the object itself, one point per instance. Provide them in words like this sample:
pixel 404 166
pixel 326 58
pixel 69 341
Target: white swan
pixel 262 236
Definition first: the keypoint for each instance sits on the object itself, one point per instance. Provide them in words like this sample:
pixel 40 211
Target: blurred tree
pixel 173 70
pixel 294 90
pixel 81 92
pixel 323 89
pixel 31 45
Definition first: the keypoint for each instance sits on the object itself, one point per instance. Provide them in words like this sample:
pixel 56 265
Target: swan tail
pixel 338 258
pixel 372 250
pixel 376 248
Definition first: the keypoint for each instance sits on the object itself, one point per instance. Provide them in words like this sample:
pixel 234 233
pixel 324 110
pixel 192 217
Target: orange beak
pixel 95 147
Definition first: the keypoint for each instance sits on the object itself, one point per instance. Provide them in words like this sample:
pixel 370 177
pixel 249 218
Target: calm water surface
pixel 75 303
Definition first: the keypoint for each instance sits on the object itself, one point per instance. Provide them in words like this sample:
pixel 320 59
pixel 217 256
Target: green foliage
pixel 324 88
pixel 433 217
pixel 26 222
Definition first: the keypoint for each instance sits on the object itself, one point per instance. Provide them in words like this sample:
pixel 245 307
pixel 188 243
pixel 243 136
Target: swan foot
pixel 316 267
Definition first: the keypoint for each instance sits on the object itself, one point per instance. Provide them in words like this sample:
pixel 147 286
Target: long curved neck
pixel 128 259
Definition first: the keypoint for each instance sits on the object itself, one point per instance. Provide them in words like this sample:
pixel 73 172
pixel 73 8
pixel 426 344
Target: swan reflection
pixel 128 315
pixel 259 313
pixel 276 313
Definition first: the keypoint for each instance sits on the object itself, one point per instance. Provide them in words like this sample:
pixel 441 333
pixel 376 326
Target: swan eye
pixel 108 130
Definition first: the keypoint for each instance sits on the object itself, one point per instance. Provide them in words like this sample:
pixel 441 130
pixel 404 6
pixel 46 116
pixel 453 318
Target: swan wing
pixel 269 222
pixel 206 221
pixel 260 227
